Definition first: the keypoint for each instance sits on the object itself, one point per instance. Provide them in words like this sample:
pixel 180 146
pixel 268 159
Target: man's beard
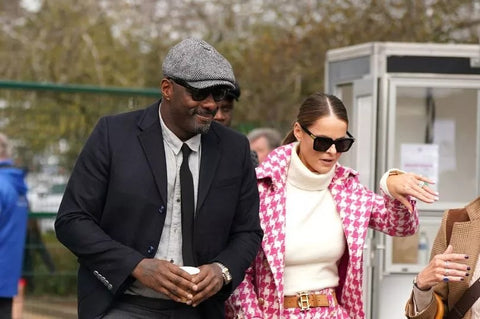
pixel 202 129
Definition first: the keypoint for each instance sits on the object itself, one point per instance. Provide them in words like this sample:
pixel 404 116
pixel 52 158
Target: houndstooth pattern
pixel 260 295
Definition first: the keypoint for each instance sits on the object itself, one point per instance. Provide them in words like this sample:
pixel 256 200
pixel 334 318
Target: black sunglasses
pixel 218 92
pixel 322 143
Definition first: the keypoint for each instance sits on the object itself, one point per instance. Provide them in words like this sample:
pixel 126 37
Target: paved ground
pixel 49 308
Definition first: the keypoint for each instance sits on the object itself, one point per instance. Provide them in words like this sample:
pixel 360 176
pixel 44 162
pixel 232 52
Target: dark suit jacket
pixel 113 210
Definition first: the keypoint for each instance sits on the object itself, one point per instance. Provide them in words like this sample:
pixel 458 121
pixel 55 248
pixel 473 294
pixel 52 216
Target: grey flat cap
pixel 199 64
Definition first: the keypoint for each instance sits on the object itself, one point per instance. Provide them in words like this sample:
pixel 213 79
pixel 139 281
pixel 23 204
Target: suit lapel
pixel 466 233
pixel 151 139
pixel 463 235
pixel 208 164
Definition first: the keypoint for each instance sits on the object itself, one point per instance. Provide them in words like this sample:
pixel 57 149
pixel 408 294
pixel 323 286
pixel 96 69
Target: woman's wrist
pixel 418 284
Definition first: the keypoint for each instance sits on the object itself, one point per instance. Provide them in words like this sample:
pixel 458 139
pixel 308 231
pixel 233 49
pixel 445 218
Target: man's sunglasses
pixel 218 92
pixel 322 143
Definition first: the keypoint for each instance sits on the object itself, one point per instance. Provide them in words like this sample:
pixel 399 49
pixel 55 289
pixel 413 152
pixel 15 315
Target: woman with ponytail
pixel 315 215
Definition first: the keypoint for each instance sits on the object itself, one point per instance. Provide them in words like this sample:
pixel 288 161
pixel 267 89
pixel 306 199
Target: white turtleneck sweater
pixel 314 235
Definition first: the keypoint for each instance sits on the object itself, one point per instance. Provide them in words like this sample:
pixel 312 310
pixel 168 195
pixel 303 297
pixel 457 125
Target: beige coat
pixel 465 239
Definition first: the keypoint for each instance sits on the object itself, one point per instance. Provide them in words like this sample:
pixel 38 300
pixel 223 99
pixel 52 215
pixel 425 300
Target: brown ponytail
pixel 289 138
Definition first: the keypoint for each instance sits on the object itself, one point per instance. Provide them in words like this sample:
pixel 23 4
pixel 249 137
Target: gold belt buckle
pixel 303 301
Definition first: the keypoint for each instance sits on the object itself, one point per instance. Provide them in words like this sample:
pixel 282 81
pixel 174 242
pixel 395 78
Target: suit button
pixel 161 210
pixel 150 250
pixel 261 301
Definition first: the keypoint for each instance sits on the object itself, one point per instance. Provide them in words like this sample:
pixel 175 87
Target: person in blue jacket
pixel 13 225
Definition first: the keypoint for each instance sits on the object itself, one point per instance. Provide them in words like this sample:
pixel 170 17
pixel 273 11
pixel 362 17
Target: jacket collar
pixel 276 165
pixel 151 139
pixel 211 154
pixel 473 209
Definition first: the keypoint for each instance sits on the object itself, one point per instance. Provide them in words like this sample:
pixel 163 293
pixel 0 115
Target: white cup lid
pixel 191 270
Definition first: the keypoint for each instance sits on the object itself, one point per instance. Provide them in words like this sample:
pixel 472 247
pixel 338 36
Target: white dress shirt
pixel 170 246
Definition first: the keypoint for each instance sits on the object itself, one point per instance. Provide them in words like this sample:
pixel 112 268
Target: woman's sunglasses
pixel 218 92
pixel 322 143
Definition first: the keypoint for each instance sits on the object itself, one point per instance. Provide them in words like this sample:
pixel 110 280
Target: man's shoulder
pixel 133 113
pixel 144 117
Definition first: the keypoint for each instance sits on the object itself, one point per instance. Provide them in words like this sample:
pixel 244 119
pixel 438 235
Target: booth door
pixel 432 128
pixel 358 98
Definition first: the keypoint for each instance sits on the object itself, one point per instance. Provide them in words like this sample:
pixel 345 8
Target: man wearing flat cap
pixel 159 189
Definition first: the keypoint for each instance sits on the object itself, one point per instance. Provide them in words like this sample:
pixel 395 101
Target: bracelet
pixel 395 172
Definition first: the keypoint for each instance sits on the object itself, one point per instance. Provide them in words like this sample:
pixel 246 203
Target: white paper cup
pixel 191 270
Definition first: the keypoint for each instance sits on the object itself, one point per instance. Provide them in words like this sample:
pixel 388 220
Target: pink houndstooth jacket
pixel 260 295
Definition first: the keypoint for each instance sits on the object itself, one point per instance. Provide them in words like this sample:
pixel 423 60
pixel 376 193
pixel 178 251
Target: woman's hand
pixel 443 267
pixel 402 185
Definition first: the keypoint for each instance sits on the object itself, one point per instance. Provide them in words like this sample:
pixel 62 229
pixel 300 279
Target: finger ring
pixel 446 273
pixel 446 264
pixel 445 278
pixel 421 184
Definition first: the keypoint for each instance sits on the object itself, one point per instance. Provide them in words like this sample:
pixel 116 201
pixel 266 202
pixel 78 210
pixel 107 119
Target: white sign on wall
pixel 421 159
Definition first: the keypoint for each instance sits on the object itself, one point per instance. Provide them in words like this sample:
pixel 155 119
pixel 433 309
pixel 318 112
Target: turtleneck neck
pixel 301 177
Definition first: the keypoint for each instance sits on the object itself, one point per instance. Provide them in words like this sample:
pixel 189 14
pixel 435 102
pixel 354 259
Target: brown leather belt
pixel 305 300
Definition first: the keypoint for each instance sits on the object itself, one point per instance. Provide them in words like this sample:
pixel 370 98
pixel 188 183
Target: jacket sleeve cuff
pixel 383 180
pixel 421 299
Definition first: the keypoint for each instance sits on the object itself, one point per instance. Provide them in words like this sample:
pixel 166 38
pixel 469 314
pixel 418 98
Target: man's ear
pixel 166 87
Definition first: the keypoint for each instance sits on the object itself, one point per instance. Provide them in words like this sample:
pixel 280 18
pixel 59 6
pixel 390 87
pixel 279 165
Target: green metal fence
pixel 38 117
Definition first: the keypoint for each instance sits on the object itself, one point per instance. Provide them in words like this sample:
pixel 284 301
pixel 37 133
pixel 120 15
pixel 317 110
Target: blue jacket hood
pixel 14 175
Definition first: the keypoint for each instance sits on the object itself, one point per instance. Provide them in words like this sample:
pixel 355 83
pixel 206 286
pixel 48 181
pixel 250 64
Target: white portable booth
pixel 413 106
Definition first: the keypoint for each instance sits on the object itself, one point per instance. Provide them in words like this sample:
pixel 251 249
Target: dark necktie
pixel 186 188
